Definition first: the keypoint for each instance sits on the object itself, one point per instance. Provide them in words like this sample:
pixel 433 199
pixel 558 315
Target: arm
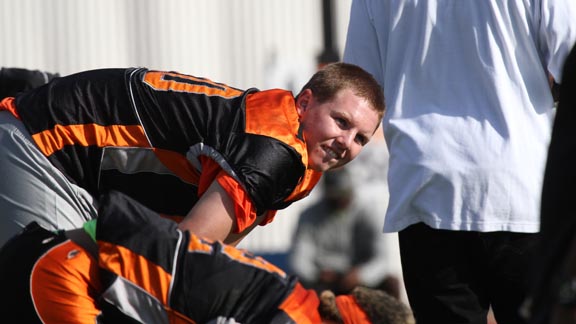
pixel 213 217
pixel 557 31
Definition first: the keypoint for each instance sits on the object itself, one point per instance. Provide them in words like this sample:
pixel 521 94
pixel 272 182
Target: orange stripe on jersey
pixel 178 318
pixel 350 311
pixel 302 305
pixel 210 170
pixel 268 218
pixel 52 140
pixel 173 81
pixel 178 164
pixel 198 245
pixel 63 285
pixel 306 185
pixel 246 257
pixel 8 104
pixel 244 209
pixel 136 269
pixel 269 113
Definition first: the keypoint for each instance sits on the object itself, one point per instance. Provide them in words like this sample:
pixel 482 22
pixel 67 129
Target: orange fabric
pixel 199 245
pixel 135 268
pixel 306 185
pixel 52 140
pixel 178 164
pixel 282 108
pixel 245 257
pixel 302 305
pixel 64 284
pixel 210 170
pixel 243 207
pixel 269 217
pixel 282 115
pixel 178 318
pixel 350 311
pixel 157 80
pixel 8 104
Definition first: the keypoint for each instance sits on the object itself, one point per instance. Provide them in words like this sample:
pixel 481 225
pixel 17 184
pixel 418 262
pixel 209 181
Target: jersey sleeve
pixel 244 209
pixel 243 206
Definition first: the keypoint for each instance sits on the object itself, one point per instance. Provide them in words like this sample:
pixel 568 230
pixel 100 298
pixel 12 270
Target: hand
pixel 328 276
pixel 350 280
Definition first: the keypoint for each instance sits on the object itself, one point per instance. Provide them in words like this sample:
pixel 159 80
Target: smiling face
pixel 335 131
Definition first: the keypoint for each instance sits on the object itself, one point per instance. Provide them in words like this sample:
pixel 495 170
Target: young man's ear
pixel 303 100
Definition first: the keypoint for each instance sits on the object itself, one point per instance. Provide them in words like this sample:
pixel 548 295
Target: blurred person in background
pixel 338 243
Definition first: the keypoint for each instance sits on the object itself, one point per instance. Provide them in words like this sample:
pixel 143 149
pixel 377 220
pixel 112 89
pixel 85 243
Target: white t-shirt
pixel 469 108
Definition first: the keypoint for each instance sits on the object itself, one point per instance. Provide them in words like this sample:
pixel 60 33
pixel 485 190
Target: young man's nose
pixel 345 140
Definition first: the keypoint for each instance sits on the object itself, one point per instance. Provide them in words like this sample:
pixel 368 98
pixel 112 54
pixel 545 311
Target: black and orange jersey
pixel 143 269
pixel 185 276
pixel 151 134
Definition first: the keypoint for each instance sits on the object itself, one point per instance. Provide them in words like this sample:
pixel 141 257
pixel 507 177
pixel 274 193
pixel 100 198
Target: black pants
pixel 455 276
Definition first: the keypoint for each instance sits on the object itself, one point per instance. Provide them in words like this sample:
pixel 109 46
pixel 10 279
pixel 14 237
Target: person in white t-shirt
pixel 470 110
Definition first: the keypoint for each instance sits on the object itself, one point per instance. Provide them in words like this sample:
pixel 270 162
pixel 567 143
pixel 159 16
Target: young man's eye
pixel 341 121
pixel 362 140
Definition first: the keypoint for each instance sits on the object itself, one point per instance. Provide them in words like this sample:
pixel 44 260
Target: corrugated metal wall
pixel 244 43
pixel 228 40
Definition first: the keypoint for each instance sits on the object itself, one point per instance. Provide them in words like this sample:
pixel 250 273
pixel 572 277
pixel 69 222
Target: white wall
pixel 226 40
